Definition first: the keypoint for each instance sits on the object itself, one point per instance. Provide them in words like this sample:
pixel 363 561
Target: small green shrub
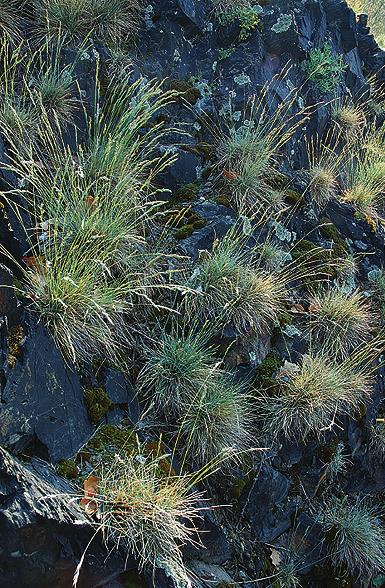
pixel 323 68
pixel 246 12
pixel 355 535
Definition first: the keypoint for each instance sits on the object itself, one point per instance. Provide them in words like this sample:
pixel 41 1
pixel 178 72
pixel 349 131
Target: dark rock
pixel 121 391
pixel 42 400
pixel 267 506
pixel 220 219
pixel 40 543
pixel 9 307
pixel 216 548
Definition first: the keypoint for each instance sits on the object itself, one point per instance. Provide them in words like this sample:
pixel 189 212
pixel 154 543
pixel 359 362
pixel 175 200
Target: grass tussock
pixel 106 20
pixel 90 223
pixel 219 419
pixel 355 536
pixel 350 119
pixel 324 167
pixel 176 369
pixel 187 383
pixel 233 288
pixel 249 151
pixel 365 176
pixel 340 321
pixel 150 513
pixel 306 398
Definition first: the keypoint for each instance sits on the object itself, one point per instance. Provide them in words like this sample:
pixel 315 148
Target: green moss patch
pixel 97 402
pixel 68 469
pixel 187 90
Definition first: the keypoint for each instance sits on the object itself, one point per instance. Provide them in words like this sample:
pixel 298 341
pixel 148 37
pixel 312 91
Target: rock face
pixel 43 532
pixel 268 508
pixel 42 402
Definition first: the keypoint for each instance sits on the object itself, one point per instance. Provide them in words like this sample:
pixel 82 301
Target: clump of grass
pixel 149 513
pixel 177 368
pixel 106 20
pixel 248 151
pixel 19 122
pixel 338 463
pixel 340 321
pixel 219 418
pixel 85 270
pixel 54 93
pixel 377 439
pixel 10 21
pixel 355 535
pixel 306 398
pixel 68 17
pixel 69 287
pixel 287 576
pixel 234 289
pixel 350 119
pixel 323 68
pixel 185 381
pixel 365 179
pixel 324 167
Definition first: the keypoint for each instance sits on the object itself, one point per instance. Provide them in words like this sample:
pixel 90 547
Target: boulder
pixel 42 398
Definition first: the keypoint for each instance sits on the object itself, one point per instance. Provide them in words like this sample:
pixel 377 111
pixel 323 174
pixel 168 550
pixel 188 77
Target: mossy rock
pixel 188 192
pixel 294 197
pixel 187 90
pixel 285 319
pixel 184 232
pixel 205 150
pixel 265 371
pixel 68 469
pixel 115 438
pixel 97 402
pixel 329 230
pixel 224 199
pixel 194 222
pixel 16 335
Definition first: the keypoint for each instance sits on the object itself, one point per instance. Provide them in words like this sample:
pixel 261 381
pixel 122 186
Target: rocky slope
pixel 269 536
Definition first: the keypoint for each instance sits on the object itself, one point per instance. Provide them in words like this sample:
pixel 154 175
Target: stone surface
pixel 267 506
pixel 42 403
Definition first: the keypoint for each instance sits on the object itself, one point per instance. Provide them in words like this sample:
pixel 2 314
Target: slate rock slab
pixel 268 509
pixel 42 400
